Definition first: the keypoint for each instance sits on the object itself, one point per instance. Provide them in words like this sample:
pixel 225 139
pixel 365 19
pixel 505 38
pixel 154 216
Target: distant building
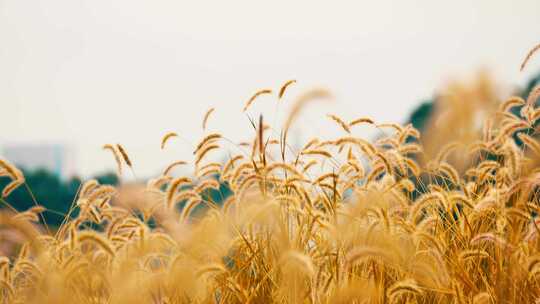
pixel 56 158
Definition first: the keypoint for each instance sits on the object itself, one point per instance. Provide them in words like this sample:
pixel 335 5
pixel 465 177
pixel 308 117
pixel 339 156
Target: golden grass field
pixel 447 216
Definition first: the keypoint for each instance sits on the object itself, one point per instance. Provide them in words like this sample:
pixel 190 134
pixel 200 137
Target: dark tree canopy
pixel 48 190
pixel 420 115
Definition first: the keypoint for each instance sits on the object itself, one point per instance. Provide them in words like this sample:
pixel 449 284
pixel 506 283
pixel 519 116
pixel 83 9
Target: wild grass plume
pixel 449 215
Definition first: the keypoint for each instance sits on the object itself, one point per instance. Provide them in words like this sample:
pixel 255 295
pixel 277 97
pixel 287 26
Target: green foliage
pixel 47 189
pixel 58 196
pixel 530 86
pixel 420 116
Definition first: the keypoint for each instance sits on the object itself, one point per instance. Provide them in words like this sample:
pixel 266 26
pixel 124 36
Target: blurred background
pixel 78 74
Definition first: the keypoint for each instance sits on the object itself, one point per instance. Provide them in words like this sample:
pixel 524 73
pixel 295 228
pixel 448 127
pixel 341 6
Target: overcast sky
pixel 90 72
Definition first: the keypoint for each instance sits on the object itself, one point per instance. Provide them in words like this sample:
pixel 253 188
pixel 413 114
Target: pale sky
pixel 90 72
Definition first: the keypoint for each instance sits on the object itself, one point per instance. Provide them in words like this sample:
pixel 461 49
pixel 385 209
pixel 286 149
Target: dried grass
pixel 342 219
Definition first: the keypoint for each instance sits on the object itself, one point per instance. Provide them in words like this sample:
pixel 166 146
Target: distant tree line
pixel 58 196
pixel 421 114
pixel 49 190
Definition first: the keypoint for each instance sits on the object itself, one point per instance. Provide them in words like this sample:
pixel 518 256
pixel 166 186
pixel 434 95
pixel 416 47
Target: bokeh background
pixel 77 74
